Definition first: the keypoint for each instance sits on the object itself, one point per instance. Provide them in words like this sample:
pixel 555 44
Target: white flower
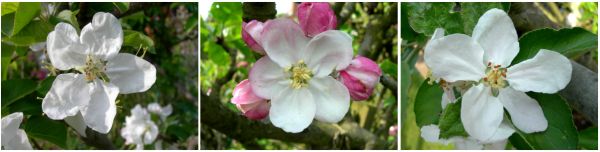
pixel 295 75
pixel 14 138
pixel 163 112
pixel 139 128
pixel 103 72
pixel 494 43
pixel 431 133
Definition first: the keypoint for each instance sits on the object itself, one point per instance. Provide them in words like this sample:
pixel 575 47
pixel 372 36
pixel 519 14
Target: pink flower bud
pixel 316 18
pixel 393 131
pixel 252 106
pixel 360 77
pixel 251 35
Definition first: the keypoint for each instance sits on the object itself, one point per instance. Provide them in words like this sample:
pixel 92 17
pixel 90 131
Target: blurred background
pixel 226 60
pixel 526 17
pixel 164 34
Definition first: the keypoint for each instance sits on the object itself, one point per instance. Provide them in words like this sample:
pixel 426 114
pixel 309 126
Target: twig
pixel 390 83
pixel 97 140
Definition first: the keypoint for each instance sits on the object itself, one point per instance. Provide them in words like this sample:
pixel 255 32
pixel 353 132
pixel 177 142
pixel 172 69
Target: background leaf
pixel 588 138
pixel 16 89
pixel 34 32
pixel 450 123
pixel 44 128
pixel 122 6
pixel 561 132
pixel 136 39
pixel 568 41
pixel 428 106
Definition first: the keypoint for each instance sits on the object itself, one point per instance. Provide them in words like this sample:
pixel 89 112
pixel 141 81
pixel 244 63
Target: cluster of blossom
pixel 139 129
pixel 307 72
pixel 479 67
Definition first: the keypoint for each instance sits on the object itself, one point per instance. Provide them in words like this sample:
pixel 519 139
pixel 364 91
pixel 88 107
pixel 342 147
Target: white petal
pixel 292 110
pixel 481 113
pixel 103 36
pixel 19 142
pixel 267 78
pixel 100 113
pixel 10 125
pixel 64 49
pixel 500 145
pixel 327 51
pixel 455 57
pixel 439 32
pixel 130 73
pixel 470 143
pixel 546 72
pixel 502 133
pixel 284 41
pixel 77 123
pixel 68 93
pixel 150 134
pixel 497 35
pixel 525 112
pixel 431 133
pixel 331 98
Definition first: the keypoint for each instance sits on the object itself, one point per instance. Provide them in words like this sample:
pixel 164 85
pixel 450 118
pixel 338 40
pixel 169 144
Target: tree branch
pixel 213 113
pixel 97 140
pixel 390 83
pixel 582 92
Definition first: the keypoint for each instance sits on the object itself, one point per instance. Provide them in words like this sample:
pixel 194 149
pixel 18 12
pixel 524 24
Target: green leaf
pixel 217 54
pixel 426 17
pixel 450 123
pixel 389 67
pixel 45 85
pixel 29 105
pixel 122 6
pixel 41 127
pixel 588 138
pixel 567 41
pixel 472 11
pixel 23 14
pixel 428 106
pixel 561 132
pixel 17 90
pixel 34 32
pixel 9 7
pixel 406 32
pixel 69 17
pixel 136 40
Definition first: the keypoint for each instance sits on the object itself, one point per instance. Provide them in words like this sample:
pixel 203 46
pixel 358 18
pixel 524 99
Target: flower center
pixel 94 69
pixel 495 78
pixel 300 75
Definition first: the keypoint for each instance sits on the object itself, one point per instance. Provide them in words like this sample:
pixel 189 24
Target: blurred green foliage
pixel 164 34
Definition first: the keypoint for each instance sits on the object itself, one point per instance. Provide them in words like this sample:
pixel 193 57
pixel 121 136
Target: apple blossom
pixel 295 75
pixel 360 77
pixel 431 133
pixel 486 58
pixel 139 128
pixel 316 17
pixel 252 106
pixel 163 112
pixel 251 34
pixel 14 138
pixel 102 72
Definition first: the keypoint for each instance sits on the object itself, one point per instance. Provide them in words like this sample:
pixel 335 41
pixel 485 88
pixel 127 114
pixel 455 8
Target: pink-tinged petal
pixel 455 57
pixel 267 78
pixel 331 98
pixel 361 77
pixel 293 109
pixel 393 131
pixel 497 35
pixel 546 72
pixel 525 112
pixel 328 51
pixel 283 41
pixel 64 48
pixel 251 34
pixel 481 113
pixel 256 110
pixel 243 94
pixel 69 92
pixel 316 17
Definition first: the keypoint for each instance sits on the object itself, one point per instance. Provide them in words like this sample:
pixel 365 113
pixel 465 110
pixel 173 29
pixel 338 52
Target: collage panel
pixel 499 75
pixel 99 75
pixel 299 75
